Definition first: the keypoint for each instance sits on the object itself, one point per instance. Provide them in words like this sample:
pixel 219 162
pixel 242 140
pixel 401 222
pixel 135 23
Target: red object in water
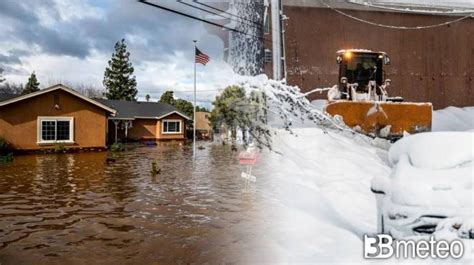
pixel 247 158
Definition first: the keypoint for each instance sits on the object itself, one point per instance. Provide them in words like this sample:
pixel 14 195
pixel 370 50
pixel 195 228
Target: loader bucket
pixel 383 119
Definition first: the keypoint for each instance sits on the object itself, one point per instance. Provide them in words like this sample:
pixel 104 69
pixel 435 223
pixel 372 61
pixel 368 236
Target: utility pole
pixel 283 46
pixel 276 39
pixel 194 109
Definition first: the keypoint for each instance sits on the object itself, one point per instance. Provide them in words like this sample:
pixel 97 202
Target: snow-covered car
pixel 430 188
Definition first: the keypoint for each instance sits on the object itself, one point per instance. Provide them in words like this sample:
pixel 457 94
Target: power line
pixel 212 13
pixel 230 14
pixel 202 9
pixel 391 26
pixel 200 19
pixel 241 19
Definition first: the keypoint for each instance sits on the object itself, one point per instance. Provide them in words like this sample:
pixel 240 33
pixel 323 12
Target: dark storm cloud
pixel 9 59
pixel 23 18
pixel 18 11
pixel 163 33
pixel 154 34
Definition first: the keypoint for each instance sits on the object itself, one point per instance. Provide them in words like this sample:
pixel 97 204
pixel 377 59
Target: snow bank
pixel 433 175
pixel 453 119
pixel 436 150
pixel 327 176
pixel 321 183
pixel 433 188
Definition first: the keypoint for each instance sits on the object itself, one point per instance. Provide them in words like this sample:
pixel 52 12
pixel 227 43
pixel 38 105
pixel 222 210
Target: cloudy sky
pixel 72 40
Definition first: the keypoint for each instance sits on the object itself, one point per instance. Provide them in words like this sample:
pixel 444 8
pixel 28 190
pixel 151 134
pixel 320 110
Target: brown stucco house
pixel 145 121
pixel 59 115
pixel 52 116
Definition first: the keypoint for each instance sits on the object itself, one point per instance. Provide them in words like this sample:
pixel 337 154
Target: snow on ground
pixel 453 119
pixel 326 197
pixel 326 202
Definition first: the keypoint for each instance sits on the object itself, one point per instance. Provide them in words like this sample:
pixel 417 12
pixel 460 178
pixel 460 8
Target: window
pixel 55 130
pixel 171 126
pixel 268 56
pixel 266 21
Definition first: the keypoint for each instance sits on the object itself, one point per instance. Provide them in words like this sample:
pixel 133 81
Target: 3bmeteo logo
pixel 384 246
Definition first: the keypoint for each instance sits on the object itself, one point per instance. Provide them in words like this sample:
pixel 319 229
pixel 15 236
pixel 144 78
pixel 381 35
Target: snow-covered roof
pixel 433 7
pixel 425 3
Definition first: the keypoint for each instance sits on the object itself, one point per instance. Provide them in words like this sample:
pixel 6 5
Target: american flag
pixel 201 57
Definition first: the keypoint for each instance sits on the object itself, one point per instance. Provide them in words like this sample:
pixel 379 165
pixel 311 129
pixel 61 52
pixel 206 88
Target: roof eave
pixel 53 88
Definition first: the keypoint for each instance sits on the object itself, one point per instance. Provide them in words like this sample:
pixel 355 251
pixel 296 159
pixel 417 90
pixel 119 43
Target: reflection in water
pixel 104 208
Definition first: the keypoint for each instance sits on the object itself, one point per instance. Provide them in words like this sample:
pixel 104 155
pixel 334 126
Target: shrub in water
pixel 117 147
pixel 5 151
pixel 59 148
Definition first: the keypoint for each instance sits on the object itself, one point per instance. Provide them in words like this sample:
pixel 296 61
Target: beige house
pixel 52 116
pixel 145 121
pixel 203 125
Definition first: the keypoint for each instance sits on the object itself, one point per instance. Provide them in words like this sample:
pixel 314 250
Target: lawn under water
pixel 108 208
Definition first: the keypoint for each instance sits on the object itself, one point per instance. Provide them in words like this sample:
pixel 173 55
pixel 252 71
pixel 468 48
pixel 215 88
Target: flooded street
pixel 102 208
pixel 108 208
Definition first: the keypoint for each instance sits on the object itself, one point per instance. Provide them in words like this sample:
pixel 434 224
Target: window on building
pixel 55 129
pixel 171 126
pixel 266 21
pixel 268 56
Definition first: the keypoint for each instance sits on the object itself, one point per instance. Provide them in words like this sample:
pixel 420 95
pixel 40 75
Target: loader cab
pixel 360 67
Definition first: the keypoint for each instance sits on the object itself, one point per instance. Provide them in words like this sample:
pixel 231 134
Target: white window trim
pixel 163 127
pixel 55 118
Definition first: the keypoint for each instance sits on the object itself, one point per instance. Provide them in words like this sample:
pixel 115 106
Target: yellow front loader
pixel 362 102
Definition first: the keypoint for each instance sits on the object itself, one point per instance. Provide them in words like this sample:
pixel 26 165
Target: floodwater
pixel 104 208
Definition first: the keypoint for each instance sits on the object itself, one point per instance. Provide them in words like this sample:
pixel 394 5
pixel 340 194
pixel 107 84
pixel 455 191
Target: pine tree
pixel 118 80
pixel 32 85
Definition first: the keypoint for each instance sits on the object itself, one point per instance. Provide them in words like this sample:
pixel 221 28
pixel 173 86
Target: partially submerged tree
pixel 118 80
pixel 230 109
pixel 32 85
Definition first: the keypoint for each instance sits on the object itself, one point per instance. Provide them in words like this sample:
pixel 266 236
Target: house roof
pixel 140 109
pixel 9 98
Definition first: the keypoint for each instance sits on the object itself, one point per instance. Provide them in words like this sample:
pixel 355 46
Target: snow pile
pixel 436 150
pixel 453 119
pixel 432 169
pixel 432 175
pixel 322 183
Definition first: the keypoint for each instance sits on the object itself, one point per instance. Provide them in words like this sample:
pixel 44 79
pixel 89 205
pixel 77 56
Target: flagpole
pixel 194 109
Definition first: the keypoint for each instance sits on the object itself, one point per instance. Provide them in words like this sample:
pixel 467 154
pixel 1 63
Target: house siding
pixel 143 129
pixel 18 121
pixel 174 136
pixel 147 129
